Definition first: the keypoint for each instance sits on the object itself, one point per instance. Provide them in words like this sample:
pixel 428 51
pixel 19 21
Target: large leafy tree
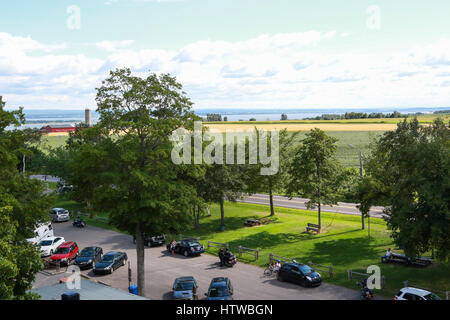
pixel 314 172
pixel 22 205
pixel 257 182
pixel 138 184
pixel 409 172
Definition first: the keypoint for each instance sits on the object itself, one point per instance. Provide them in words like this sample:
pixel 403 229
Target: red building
pixel 58 128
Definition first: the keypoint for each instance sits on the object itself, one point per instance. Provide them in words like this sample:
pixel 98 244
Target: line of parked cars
pixel 186 288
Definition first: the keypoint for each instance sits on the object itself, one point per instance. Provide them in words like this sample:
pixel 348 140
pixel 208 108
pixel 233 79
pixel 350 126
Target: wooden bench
pixel 313 227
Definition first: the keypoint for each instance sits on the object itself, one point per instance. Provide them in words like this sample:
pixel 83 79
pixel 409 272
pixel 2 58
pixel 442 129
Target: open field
pixel 349 156
pixel 342 244
pixel 427 118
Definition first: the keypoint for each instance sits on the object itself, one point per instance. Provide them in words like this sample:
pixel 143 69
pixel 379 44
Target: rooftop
pixel 89 290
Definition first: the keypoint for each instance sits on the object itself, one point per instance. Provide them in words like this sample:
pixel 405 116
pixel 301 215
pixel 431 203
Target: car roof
pixel 416 291
pixel 67 244
pixel 90 248
pixel 184 279
pixel 112 253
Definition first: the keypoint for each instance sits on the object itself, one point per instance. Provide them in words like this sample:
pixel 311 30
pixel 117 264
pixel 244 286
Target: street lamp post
pixel 361 175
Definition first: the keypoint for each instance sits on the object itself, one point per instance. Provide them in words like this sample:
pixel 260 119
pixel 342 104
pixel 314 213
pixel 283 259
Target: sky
pixel 253 54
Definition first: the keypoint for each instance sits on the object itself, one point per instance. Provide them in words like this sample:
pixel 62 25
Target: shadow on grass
pixel 343 251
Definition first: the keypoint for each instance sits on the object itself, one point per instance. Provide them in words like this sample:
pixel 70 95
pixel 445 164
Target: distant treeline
pixel 361 115
pixel 442 111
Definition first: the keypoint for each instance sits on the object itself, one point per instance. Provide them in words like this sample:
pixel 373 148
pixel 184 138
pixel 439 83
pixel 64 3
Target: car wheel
pixel 185 253
pixel 123 262
pixel 51 252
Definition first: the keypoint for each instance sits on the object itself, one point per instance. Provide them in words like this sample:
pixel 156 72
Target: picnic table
pixel 252 222
pixel 403 259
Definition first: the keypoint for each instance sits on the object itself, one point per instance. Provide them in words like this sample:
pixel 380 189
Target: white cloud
pixel 268 71
pixel 112 46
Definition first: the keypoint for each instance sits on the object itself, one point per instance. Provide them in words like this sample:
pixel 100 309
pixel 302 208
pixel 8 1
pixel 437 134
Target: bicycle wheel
pixel 267 272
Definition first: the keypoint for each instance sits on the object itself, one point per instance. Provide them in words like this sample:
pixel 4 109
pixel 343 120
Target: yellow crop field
pixel 302 127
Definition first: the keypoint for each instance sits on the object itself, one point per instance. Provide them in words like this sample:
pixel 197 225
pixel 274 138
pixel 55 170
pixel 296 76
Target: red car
pixel 65 253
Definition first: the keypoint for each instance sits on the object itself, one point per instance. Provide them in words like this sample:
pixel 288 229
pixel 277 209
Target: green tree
pixel 410 174
pixel 256 182
pixel 314 172
pixel 23 204
pixel 138 184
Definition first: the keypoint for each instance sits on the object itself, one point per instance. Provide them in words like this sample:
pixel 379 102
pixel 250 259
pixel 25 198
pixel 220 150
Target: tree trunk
pixel 320 218
pixel 272 212
pixel 140 260
pixel 222 214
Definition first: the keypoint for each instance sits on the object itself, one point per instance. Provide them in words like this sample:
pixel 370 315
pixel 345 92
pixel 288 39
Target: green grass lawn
pixel 342 243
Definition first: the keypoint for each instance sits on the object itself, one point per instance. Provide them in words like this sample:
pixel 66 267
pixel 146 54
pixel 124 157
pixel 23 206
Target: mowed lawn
pixel 342 244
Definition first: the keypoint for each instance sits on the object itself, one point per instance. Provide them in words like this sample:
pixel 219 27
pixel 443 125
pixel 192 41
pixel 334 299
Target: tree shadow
pixel 343 251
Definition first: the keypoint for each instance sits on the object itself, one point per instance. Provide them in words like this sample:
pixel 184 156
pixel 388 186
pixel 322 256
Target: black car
pixel 188 247
pixel 220 288
pixel 299 273
pixel 151 241
pixel 88 257
pixel 110 262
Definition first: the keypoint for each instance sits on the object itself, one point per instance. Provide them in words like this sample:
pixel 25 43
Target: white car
pixel 49 245
pixel 60 214
pixel 410 293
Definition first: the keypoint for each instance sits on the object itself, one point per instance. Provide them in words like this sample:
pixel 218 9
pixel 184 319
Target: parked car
pixel 49 245
pixel 88 257
pixel 220 288
pixel 410 293
pixel 299 273
pixel 185 288
pixel 42 231
pixel 65 253
pixel 110 262
pixel 151 241
pixel 60 214
pixel 188 247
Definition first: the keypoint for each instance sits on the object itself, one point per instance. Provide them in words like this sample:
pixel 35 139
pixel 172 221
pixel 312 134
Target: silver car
pixel 60 214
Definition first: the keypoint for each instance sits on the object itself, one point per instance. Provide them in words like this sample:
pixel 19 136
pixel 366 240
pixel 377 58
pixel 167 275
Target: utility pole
pixel 361 176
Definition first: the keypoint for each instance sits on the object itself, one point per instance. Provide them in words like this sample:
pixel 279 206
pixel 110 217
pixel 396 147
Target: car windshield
pixel 108 258
pixel 181 286
pixel 62 250
pixel 194 244
pixel 218 292
pixel 46 243
pixel 87 253
pixel 305 269
pixel 431 296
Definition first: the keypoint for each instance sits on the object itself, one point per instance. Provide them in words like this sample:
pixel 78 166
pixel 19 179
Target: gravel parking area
pixel 161 269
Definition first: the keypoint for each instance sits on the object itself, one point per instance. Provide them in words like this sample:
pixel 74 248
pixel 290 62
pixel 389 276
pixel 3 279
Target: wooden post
pixel 405 283
pixel 129 274
pixel 270 258
pixel 240 251
pixel 331 271
pixel 349 274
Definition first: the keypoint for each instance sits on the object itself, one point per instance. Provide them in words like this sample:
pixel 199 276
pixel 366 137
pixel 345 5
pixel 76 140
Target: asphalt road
pixel 161 269
pixel 299 203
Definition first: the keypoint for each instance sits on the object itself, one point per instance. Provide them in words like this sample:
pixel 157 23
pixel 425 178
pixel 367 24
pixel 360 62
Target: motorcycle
pixel 366 293
pixel 78 222
pixel 229 260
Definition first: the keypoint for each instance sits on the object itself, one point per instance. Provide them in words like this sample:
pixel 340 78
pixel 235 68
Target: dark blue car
pixel 188 247
pixel 299 273
pixel 220 289
pixel 110 262
pixel 88 257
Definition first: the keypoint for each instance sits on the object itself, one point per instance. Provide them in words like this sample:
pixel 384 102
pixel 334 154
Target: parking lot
pixel 161 269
